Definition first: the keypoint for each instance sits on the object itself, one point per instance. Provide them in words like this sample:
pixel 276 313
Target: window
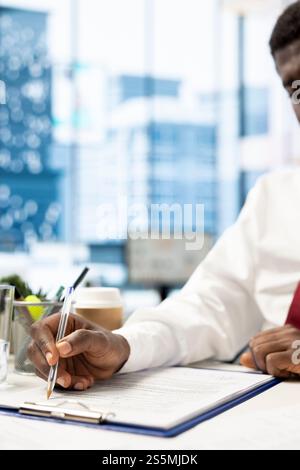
pixel 144 101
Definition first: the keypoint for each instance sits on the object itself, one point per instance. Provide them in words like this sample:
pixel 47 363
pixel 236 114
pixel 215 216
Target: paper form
pixel 161 397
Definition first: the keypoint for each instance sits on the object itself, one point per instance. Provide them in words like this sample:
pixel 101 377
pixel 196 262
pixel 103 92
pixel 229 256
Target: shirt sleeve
pixel 215 314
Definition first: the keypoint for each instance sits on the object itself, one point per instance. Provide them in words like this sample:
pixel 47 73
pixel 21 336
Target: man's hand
pixel 87 352
pixel 276 352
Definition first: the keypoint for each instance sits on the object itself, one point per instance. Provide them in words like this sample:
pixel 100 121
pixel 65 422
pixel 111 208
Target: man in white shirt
pixel 246 282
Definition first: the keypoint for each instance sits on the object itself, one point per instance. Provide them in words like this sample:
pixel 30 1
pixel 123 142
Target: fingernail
pixel 49 357
pixel 61 381
pixel 78 386
pixel 64 347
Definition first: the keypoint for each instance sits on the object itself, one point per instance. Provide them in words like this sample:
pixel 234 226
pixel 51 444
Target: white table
pixel 270 420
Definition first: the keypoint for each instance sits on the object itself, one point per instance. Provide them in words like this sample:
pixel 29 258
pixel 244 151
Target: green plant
pixel 22 288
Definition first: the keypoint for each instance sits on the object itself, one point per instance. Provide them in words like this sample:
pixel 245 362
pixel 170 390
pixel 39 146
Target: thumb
pixel 247 360
pixel 81 341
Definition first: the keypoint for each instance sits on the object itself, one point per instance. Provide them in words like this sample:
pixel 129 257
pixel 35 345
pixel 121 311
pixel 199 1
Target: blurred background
pixel 144 101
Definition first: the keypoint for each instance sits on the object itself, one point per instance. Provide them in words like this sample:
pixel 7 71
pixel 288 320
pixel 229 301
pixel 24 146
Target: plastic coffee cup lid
pixel 97 297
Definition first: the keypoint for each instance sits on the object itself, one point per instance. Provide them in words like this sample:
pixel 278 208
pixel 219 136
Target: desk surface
pixel 270 420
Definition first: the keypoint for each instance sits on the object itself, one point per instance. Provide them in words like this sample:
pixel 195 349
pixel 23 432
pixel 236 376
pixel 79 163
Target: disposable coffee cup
pixel 100 305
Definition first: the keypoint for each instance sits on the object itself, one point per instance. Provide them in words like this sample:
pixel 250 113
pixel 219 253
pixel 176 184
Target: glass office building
pixel 30 204
pixel 169 146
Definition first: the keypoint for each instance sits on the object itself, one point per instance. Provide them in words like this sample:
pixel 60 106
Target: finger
pixel 278 364
pixel 80 377
pixel 80 383
pixel 82 341
pixel 41 376
pixel 246 360
pixel 44 338
pixel 265 339
pixel 70 366
pixel 71 376
pixel 275 334
pixel 38 359
pixel 261 351
pixel 42 368
pixel 80 380
pixel 266 333
pixel 293 359
pixel 83 371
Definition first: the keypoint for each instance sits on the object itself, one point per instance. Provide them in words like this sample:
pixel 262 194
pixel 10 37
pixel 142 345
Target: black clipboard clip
pixel 61 410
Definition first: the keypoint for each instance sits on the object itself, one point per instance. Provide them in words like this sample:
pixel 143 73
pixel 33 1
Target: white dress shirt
pixel 248 279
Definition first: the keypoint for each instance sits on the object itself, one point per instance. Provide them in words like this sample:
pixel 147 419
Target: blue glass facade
pixel 183 161
pixel 256 117
pixel 127 87
pixel 30 204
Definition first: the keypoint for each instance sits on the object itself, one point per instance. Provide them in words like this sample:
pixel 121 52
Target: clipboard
pixel 85 416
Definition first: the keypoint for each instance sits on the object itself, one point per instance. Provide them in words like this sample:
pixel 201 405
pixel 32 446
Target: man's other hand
pixel 275 352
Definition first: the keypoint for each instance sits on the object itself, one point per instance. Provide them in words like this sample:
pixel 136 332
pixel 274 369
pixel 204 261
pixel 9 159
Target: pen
pixel 60 334
pixel 50 310
pixel 60 298
pixel 81 277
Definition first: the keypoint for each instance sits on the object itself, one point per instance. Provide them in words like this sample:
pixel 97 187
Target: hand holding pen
pixel 86 353
pixel 60 334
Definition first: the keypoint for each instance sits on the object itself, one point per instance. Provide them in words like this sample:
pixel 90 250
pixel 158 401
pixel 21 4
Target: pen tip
pixel 49 393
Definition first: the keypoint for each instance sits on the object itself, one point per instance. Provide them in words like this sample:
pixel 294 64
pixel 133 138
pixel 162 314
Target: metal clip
pixel 84 414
